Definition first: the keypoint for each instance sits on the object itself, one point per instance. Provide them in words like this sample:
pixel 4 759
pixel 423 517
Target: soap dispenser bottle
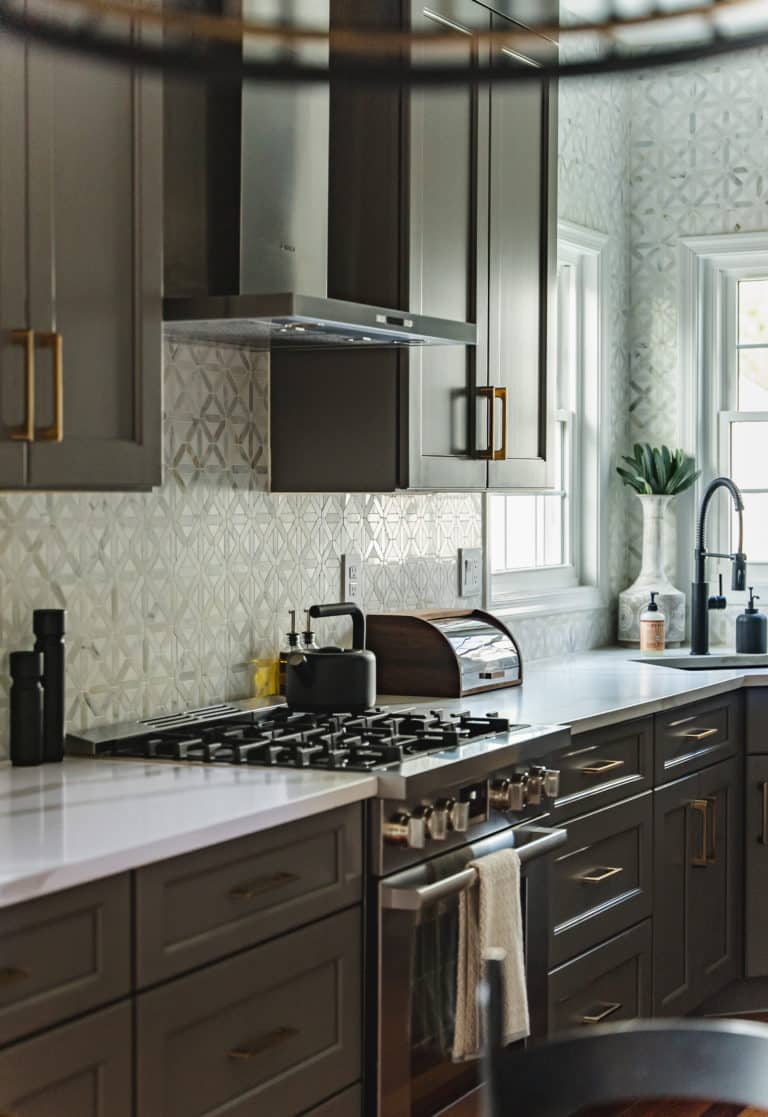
pixel 751 628
pixel 652 628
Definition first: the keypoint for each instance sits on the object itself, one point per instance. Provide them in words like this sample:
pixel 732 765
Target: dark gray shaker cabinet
pixel 756 834
pixel 80 266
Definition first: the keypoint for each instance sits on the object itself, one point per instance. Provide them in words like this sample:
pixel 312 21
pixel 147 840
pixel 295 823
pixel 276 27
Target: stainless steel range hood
pixel 247 252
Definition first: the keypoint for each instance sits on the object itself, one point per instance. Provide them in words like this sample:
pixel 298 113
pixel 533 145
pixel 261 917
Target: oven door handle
pixel 414 899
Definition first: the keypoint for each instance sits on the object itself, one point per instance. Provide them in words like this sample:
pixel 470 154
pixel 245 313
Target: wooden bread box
pixel 443 653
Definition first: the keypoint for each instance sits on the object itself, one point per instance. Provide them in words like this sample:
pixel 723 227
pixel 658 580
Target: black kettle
pixel 331 679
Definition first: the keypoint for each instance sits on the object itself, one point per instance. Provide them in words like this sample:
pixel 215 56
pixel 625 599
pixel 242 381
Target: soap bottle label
pixel 652 636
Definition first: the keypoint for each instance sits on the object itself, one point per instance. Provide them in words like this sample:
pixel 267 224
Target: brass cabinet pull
pixel 707 854
pixel 597 876
pixel 265 1043
pixel 54 342
pixel 264 884
pixel 26 432
pixel 602 766
pixel 602 1014
pixel 700 734
pixel 764 835
pixel 9 975
pixel 492 394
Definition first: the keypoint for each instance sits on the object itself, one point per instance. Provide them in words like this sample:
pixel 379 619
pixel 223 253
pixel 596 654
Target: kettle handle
pixel 345 609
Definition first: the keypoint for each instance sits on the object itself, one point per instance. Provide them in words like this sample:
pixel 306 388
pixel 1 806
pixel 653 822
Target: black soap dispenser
pixel 751 629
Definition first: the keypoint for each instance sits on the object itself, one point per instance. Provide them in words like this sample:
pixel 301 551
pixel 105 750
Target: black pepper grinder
pixel 49 628
pixel 26 709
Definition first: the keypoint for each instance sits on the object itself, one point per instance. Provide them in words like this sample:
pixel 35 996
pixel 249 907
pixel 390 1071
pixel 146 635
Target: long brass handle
pixel 265 1043
pixel 54 342
pixel 700 734
pixel 262 885
pixel 9 975
pixel 26 432
pixel 603 766
pixel 598 1017
pixel 597 876
pixel 701 807
pixel 764 835
pixel 712 816
pixel 492 394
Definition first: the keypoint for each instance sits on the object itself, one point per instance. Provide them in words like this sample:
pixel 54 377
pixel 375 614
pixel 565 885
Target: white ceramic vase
pixel 658 557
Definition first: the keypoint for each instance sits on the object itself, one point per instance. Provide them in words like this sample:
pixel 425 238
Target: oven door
pixel 418 934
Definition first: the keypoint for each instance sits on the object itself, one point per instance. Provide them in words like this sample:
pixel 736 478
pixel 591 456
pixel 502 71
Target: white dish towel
pixel 490 919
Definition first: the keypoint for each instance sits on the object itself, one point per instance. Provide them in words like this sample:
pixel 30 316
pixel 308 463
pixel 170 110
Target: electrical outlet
pixel 470 571
pixel 352 578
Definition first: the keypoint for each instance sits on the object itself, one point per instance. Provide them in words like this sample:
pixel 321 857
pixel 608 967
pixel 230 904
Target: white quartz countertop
pixel 66 824
pixel 63 825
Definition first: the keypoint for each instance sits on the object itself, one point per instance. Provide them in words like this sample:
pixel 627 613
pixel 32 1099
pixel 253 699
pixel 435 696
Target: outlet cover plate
pixel 352 578
pixel 470 571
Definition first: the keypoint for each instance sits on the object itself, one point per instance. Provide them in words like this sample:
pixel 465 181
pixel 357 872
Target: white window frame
pixel 583 582
pixel 710 269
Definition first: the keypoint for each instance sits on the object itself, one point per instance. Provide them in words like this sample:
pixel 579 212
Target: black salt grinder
pixel 49 627
pixel 26 709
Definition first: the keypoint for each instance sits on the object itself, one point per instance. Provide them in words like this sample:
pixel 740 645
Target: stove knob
pixel 426 814
pixel 536 785
pixel 460 817
pixel 510 794
pixel 438 826
pixel 404 829
pixel 551 783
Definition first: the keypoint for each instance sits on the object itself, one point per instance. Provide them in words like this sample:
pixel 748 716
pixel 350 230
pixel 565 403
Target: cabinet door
pixel 448 238
pixel 696 889
pixel 523 269
pixel 756 851
pixel 95 250
pixel 13 257
pixel 81 1070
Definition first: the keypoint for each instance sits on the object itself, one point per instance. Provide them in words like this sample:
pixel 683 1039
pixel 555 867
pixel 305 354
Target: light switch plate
pixel 352 578
pixel 470 571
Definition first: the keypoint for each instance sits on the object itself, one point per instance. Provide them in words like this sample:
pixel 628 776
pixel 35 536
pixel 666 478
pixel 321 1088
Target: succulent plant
pixel 658 471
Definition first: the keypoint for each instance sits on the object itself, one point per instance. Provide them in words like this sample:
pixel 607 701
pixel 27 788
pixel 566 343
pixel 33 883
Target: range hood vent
pixel 247 210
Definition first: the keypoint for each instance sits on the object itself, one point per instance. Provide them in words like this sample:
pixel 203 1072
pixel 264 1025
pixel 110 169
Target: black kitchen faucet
pixel 701 602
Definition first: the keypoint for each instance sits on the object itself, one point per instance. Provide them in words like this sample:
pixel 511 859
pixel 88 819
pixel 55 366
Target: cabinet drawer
pixel 602 767
pixel 197 908
pixel 695 736
pixel 610 983
pixel 274 1030
pixel 63 954
pixel 348 1104
pixel 79 1070
pixel 601 879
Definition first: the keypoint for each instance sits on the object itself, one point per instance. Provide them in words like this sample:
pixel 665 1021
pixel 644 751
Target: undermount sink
pixel 712 662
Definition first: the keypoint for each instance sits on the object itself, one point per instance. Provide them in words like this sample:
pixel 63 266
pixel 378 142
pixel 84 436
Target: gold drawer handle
pixel 598 1017
pixel 700 734
pixel 267 1043
pixel 26 432
pixel 264 884
pixel 9 975
pixel 603 766
pixel 597 876
pixel 54 342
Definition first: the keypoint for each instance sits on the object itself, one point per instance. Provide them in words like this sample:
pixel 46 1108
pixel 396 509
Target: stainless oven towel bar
pixel 414 899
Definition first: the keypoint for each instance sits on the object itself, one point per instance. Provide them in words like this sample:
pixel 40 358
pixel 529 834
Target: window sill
pixel 576 599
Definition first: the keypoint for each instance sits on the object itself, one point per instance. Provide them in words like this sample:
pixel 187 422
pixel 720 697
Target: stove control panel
pixel 412 829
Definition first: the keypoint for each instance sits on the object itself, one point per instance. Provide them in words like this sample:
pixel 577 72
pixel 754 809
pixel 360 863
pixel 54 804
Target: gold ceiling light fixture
pixel 220 40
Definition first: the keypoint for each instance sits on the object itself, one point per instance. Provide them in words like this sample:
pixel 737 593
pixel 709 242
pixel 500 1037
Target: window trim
pixel 709 268
pixel 584 584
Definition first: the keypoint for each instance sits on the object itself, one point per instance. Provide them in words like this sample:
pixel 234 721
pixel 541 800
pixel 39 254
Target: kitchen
pixel 211 476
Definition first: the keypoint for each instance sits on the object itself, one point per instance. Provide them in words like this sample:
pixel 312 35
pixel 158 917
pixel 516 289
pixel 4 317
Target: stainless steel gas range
pixel 452 788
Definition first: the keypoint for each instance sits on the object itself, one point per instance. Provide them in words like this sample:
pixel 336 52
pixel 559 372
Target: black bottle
pixel 49 627
pixel 751 629
pixel 26 709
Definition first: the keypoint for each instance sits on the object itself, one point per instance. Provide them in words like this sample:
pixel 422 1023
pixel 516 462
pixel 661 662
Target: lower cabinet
pixel 83 1069
pixel 697 887
pixel 607 984
pixel 756 852
pixel 273 1030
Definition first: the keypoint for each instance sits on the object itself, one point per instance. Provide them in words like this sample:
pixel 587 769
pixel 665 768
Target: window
pixel 724 347
pixel 540 543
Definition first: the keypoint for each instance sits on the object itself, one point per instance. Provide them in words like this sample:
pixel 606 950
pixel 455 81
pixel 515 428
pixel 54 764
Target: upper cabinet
pixel 446 207
pixel 80 272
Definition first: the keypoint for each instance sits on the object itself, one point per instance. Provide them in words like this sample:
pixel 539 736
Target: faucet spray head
pixel 739 575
